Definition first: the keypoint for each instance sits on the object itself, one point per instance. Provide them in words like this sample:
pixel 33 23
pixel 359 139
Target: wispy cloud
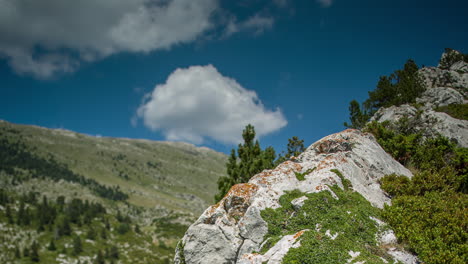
pixel 257 24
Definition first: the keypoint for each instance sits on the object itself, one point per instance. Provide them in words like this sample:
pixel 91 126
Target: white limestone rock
pixel 429 122
pixel 440 96
pixel 231 230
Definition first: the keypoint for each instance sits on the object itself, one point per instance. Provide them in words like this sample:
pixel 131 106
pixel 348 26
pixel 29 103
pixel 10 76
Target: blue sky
pixel 198 70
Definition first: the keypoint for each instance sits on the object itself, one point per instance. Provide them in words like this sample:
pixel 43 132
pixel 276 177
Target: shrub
pixel 458 111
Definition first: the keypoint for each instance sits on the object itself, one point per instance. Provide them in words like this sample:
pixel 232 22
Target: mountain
pixel 349 198
pixel 128 196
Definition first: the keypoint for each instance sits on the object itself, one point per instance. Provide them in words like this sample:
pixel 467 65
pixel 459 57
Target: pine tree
pixel 17 252
pixel 77 246
pixel 99 258
pixel 8 214
pixel 91 234
pixel 103 233
pixel 401 87
pixel 51 246
pixel 294 148
pixel 357 117
pixel 114 252
pixel 250 160
pixel 34 254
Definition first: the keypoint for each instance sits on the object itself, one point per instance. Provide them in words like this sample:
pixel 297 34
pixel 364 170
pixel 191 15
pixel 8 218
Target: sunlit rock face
pixel 445 85
pixel 233 229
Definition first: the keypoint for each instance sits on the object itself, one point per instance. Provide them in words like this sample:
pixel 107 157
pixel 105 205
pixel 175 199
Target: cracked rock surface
pixel 231 230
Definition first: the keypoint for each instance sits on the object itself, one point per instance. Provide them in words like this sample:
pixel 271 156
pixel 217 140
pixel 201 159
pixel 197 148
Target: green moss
pixel 349 216
pixel 180 249
pixel 458 111
pixel 346 183
pixel 301 176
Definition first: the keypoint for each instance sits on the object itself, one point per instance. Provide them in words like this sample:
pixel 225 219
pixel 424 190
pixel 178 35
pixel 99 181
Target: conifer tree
pixel 250 160
pixel 294 148
pixel 77 246
pixel 401 87
pixel 99 258
pixel 34 254
pixel 17 252
pixel 51 246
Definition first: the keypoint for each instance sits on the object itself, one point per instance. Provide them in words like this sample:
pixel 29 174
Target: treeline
pixel 250 159
pixel 44 215
pixel 14 156
pixel 56 217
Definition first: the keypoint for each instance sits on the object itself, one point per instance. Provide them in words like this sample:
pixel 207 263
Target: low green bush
pixel 348 216
pixel 428 211
pixel 458 111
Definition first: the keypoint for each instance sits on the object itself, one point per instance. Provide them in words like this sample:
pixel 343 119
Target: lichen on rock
pixel 234 229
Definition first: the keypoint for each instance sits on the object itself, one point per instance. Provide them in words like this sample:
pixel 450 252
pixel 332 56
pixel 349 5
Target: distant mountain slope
pixel 168 175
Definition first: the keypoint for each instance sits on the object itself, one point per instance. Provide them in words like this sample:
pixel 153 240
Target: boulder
pixel 231 230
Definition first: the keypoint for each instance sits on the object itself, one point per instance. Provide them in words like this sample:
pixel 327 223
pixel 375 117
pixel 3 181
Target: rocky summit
pixel 235 231
pixel 446 84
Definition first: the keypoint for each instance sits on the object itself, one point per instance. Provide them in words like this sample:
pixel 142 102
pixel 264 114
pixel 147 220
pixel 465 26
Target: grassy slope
pixel 175 176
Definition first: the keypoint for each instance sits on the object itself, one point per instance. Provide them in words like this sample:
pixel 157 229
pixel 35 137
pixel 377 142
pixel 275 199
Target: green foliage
pixel 250 160
pixel 356 231
pixel 301 176
pixel 123 228
pixel 180 249
pixel 34 253
pixel 401 87
pixel 167 227
pixel 428 212
pixel 15 155
pixel 434 225
pixel 294 148
pixel 77 246
pixel 346 183
pixel 451 57
pixel 357 117
pixel 458 111
pixel 51 246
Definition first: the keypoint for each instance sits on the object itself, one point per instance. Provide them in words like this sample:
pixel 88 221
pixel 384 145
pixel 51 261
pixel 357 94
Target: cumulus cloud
pixel 199 103
pixel 38 37
pixel 325 3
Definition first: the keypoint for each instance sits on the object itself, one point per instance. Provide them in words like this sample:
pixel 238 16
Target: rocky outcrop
pixel 445 85
pixel 233 229
pixel 427 121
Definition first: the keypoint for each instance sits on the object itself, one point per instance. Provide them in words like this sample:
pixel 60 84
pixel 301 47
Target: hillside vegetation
pixel 71 198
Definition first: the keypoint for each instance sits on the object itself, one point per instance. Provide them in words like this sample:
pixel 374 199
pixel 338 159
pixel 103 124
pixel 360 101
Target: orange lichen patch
pixel 327 162
pixel 298 234
pixel 250 256
pixel 214 207
pixel 343 160
pixel 350 130
pixel 319 187
pixel 262 177
pixel 244 190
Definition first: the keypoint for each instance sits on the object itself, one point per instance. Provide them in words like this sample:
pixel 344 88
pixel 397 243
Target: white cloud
pixel 94 29
pixel 325 3
pixel 198 103
pixel 256 24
